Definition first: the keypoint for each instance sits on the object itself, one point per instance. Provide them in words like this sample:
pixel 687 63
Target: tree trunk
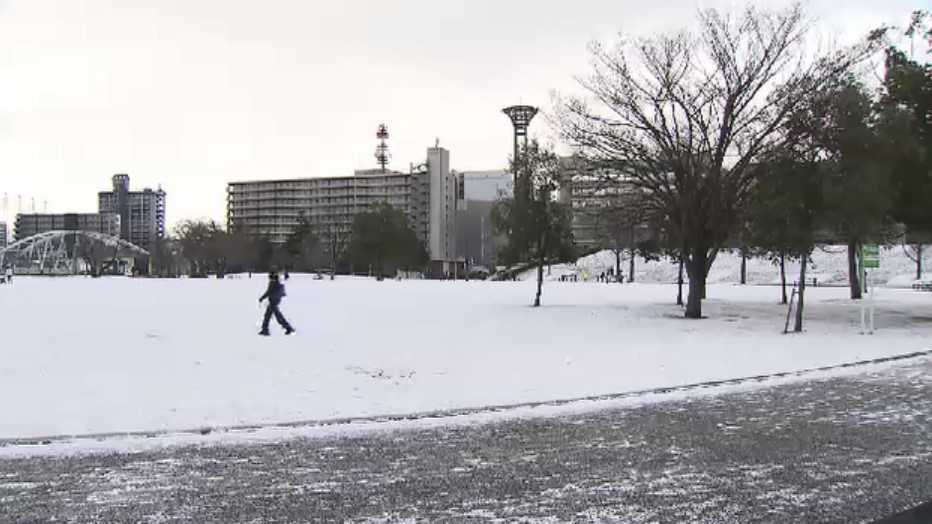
pixel 694 300
pixel 702 284
pixel 783 276
pixel 618 263
pixel 632 251
pixel 679 284
pixel 540 280
pixel 854 279
pixel 631 267
pixel 798 327
pixel 918 261
pixel 744 268
pixel 696 269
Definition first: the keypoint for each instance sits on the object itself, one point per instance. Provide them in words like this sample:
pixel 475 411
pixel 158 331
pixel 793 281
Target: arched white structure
pixel 66 252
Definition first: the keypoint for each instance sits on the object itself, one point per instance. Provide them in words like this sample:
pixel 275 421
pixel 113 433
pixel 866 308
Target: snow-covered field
pixel 830 267
pixel 81 356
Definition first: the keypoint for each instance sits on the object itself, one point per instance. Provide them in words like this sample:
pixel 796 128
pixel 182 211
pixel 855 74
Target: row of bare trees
pixel 380 241
pixel 201 247
pixel 719 134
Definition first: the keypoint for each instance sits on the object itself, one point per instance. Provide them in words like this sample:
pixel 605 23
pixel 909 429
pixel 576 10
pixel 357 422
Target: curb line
pixel 449 413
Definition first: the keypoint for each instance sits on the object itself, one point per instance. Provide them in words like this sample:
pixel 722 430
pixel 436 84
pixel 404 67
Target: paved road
pixel 838 450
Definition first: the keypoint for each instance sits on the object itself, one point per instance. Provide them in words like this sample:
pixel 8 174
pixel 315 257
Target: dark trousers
pixel 272 309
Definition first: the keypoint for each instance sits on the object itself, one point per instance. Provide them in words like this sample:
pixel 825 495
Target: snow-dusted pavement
pixel 837 449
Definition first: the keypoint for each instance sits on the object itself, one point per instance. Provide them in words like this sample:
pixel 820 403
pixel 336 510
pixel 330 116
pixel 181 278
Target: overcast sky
pixel 191 94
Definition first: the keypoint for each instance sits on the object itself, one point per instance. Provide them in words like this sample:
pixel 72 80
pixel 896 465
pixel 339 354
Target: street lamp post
pixel 521 117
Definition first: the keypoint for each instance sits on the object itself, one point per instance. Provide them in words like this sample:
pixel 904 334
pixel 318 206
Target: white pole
pixel 863 318
pixel 863 269
pixel 871 299
pixel 863 312
pixel 482 238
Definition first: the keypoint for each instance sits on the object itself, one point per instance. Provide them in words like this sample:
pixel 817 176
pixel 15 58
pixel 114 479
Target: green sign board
pixel 871 254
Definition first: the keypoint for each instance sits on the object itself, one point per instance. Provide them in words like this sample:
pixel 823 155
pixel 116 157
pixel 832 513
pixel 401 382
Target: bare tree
pixel 97 256
pixel 685 117
pixel 540 227
pixel 915 253
pixel 333 243
pixel 612 232
pixel 166 258
pixel 201 243
pixel 619 226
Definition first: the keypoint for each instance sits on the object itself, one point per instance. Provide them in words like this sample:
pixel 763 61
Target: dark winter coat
pixel 274 293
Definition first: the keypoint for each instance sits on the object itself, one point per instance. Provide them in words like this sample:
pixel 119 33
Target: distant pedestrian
pixel 9 274
pixel 274 293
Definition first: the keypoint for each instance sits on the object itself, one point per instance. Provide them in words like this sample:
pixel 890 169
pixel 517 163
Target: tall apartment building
pixel 587 200
pixel 4 235
pixel 274 207
pixel 426 194
pixel 142 213
pixel 29 224
pixel 596 199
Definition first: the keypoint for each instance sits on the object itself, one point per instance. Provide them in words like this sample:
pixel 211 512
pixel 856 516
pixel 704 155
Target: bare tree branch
pixel 684 118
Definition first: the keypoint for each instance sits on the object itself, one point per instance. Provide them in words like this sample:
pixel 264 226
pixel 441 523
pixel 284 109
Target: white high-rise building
pixel 441 207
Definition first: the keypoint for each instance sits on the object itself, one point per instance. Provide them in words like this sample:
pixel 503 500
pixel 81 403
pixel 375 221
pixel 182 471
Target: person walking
pixel 9 274
pixel 274 294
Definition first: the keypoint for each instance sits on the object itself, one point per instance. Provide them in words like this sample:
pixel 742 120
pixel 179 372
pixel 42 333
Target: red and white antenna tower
pixel 381 152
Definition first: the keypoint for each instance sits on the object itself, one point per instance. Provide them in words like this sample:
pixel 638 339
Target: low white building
pixel 29 224
pixel 476 238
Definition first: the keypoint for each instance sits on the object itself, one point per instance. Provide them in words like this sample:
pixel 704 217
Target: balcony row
pixel 318 187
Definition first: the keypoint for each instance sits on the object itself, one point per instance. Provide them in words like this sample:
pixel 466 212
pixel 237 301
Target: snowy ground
pixel 81 356
pixel 833 450
pixel 830 267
